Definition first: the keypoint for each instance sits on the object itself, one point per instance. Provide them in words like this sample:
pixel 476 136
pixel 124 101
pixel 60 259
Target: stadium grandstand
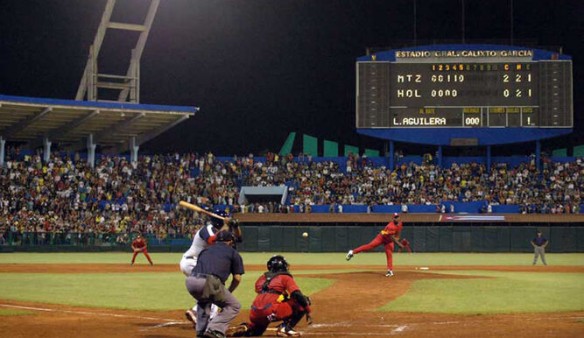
pixel 89 194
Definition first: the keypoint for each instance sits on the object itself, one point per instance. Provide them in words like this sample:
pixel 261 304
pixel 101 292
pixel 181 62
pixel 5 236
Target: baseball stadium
pixel 101 237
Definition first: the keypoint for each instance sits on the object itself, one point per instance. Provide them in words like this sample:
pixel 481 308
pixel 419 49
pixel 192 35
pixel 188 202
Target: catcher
pixel 278 299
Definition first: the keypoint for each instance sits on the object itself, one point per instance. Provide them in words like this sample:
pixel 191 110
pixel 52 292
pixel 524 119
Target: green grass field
pixel 489 293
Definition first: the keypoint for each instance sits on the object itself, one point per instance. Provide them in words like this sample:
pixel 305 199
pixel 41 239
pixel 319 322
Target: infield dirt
pixel 344 310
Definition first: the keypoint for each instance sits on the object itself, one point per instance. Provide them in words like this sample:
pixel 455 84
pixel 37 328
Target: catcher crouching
pixel 278 299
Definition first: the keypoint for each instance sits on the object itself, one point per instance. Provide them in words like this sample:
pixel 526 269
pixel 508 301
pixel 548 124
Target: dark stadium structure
pixel 456 95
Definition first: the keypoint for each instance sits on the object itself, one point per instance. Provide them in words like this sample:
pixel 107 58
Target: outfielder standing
pixel 140 245
pixel 387 237
pixel 539 243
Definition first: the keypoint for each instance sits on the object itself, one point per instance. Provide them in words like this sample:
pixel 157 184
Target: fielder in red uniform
pixel 278 299
pixel 140 245
pixel 387 237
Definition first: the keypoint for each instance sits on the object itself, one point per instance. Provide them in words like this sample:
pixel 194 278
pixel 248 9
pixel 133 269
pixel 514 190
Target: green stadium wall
pixel 340 238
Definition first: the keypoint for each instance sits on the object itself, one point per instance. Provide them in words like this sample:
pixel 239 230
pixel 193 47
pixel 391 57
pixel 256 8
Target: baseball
pixel 305 234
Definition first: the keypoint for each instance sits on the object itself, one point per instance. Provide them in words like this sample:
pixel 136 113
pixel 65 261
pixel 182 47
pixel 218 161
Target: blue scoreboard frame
pixel 462 95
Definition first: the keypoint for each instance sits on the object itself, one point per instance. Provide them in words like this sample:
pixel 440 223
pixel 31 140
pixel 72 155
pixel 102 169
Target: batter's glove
pixel 234 223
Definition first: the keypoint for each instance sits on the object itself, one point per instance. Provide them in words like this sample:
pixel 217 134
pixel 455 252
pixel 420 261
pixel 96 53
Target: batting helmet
pixel 277 264
pixel 218 223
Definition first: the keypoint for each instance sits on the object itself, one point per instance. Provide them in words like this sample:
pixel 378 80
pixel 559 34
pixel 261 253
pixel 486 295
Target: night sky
pixel 260 69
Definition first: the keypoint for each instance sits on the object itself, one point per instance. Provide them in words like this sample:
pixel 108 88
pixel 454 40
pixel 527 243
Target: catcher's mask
pixel 277 264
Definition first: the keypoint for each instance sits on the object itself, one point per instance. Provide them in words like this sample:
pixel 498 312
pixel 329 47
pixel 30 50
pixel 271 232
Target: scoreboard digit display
pixel 464 89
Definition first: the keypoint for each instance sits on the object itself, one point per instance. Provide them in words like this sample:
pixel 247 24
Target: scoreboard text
pixel 435 90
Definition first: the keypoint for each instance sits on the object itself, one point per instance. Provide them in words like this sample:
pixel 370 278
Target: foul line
pixel 397 329
pixel 87 313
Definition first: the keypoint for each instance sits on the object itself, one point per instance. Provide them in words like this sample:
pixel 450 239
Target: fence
pixel 465 237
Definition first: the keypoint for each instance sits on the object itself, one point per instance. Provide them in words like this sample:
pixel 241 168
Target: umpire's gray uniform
pixel 539 243
pixel 207 284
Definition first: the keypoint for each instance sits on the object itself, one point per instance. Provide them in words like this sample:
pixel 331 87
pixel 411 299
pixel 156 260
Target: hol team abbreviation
pixel 448 92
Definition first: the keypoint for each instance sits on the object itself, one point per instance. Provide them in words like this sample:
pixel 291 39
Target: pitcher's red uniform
pixel 386 238
pixel 139 245
pixel 406 245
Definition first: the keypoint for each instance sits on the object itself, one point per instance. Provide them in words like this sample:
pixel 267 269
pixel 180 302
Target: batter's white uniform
pixel 189 260
pixel 200 242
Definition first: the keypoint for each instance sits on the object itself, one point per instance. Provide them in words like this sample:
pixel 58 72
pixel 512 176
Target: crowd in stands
pixel 118 197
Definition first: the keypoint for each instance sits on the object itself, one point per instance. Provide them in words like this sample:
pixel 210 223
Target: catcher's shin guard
pixel 291 322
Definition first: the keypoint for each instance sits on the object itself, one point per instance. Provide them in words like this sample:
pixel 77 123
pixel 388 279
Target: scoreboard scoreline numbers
pixel 475 88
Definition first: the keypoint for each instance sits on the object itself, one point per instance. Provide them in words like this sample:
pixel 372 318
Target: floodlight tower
pixel 128 84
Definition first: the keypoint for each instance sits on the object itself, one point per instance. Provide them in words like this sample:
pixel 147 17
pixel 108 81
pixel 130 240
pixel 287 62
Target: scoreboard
pixel 464 89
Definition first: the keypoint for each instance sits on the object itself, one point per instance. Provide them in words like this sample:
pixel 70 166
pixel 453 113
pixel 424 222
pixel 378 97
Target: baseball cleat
pixel 213 334
pixel 191 316
pixel 237 331
pixel 349 255
pixel 389 273
pixel 284 332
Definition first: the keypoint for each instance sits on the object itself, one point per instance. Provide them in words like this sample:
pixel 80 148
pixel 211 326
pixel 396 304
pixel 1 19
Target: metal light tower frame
pixel 128 84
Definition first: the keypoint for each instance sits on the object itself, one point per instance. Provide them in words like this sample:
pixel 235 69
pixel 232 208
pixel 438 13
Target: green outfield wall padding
pixel 351 149
pixel 445 238
pixel 432 238
pixel 419 240
pixel 315 240
pixel 288 144
pixel 289 238
pixel 372 153
pixel 560 235
pixel 331 149
pixel 340 238
pixel 461 239
pixel 264 243
pixel 560 152
pixel 326 233
pixel 578 151
pixel 251 240
pixel 310 145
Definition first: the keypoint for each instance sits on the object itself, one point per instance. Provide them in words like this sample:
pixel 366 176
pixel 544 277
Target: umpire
pixel 207 285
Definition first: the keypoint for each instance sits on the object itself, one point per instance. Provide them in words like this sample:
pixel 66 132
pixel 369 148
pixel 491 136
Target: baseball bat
pixel 197 208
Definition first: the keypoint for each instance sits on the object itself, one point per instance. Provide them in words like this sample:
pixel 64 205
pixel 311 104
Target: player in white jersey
pixel 204 237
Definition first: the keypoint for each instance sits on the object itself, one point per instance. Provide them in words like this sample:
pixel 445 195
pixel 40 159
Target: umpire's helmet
pixel 277 264
pixel 218 223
